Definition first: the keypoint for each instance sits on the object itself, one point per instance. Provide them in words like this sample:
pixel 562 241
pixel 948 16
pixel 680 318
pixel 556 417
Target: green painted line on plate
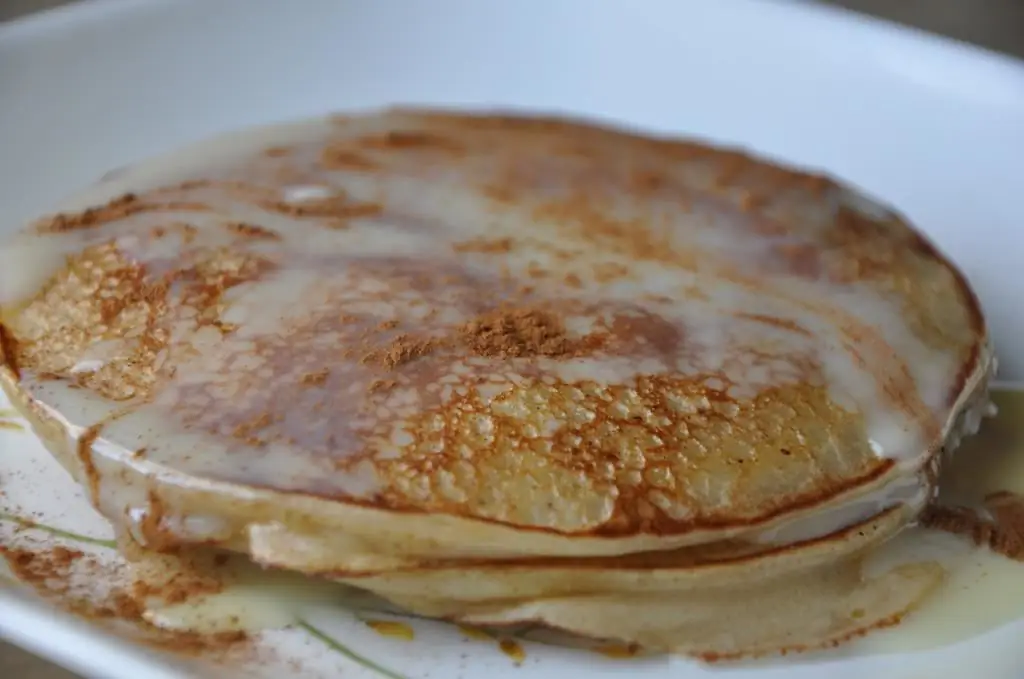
pixel 335 645
pixel 57 532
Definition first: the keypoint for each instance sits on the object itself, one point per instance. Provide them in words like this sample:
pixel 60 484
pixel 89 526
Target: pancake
pixel 414 349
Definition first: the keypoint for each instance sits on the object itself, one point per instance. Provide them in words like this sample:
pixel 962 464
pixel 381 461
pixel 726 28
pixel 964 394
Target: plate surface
pixel 933 127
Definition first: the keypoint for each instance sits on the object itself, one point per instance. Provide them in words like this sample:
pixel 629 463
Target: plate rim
pixel 29 25
pixel 61 638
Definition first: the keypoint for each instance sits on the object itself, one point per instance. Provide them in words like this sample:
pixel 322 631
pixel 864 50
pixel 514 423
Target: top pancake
pixel 531 323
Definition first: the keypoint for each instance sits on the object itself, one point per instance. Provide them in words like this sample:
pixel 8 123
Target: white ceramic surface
pixel 933 127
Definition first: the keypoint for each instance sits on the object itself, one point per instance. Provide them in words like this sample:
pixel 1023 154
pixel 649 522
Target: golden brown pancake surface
pixel 509 323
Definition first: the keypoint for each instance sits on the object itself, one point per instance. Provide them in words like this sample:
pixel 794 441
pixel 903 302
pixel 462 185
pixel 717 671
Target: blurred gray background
pixel 995 24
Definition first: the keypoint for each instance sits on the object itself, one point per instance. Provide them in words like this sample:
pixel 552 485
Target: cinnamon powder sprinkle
pixel 403 349
pixel 524 332
pixel 46 568
pixel 253 231
pixel 506 333
pixel 337 207
pixel 315 379
pixel 485 245
pixel 1004 534
pixel 340 158
pixel 248 431
pixel 179 588
pixel 123 206
pixel 56 573
pixel 382 385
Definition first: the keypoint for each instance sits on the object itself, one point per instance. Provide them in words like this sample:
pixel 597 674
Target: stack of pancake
pixel 503 369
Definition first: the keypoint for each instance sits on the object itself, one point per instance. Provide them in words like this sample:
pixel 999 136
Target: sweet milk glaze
pixel 827 344
pixel 913 491
pixel 980 591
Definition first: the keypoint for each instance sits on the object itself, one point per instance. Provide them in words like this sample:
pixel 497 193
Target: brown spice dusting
pixel 47 569
pixel 337 207
pixel 118 207
pixel 524 332
pixel 220 270
pixel 381 385
pixel 387 325
pixel 253 231
pixel 44 569
pixel 1004 534
pixel 57 574
pixel 485 245
pixel 125 607
pixel 503 333
pixel 45 564
pixel 403 349
pixel 123 206
pixel 573 281
pixel 247 431
pixel 179 587
pixel 62 556
pixel 338 157
pixel 317 378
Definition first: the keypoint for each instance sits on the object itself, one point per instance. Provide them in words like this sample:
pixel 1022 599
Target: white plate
pixel 935 127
